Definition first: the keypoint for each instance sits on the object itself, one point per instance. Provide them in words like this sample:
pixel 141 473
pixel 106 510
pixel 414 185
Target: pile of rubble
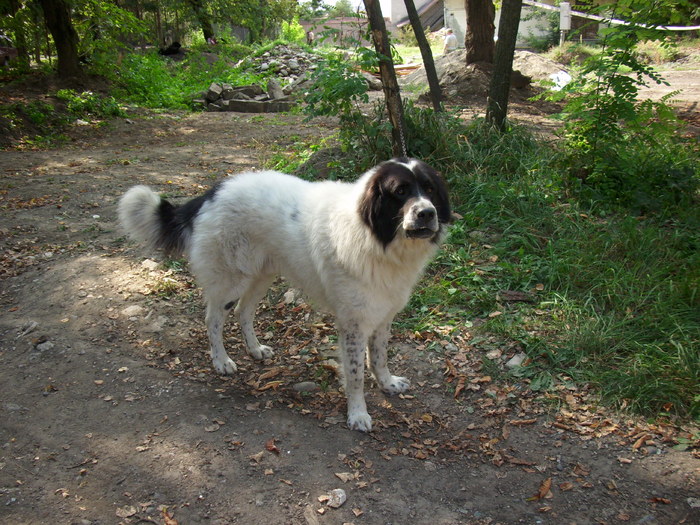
pixel 248 99
pixel 288 66
pixel 287 63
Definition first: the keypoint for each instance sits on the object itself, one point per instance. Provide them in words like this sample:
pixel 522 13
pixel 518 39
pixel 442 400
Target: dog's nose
pixel 426 214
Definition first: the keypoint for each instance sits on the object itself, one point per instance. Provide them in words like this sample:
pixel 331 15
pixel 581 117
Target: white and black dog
pixel 356 249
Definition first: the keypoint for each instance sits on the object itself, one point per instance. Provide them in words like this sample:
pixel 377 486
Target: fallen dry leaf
pixel 271 447
pixel 567 485
pixel 257 458
pixel 168 518
pixel 345 476
pixel 641 441
pixel 543 492
pixel 126 512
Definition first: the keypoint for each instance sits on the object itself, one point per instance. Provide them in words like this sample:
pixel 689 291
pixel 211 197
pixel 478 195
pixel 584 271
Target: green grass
pixel 620 305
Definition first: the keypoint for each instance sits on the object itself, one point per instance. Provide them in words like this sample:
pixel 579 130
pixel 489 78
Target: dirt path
pixel 110 411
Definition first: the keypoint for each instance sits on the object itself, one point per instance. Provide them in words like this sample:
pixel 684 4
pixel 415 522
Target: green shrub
pixel 89 103
pixel 619 150
pixel 571 54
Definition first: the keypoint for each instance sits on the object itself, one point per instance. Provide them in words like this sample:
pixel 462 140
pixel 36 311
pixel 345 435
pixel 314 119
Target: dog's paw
pixel 396 385
pixel 360 421
pixel 261 352
pixel 225 366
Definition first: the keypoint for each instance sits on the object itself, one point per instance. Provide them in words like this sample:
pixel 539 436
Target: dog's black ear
pixel 374 209
pixel 440 197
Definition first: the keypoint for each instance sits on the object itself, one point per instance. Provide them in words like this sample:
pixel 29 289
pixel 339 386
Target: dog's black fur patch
pixel 176 221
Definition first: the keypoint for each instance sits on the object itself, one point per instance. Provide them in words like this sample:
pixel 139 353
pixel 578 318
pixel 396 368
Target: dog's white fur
pixel 263 224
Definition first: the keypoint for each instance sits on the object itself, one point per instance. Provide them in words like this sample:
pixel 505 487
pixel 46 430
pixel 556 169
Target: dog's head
pixel 405 198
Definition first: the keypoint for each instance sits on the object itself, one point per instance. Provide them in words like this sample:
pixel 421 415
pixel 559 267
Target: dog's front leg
pixel 378 348
pixel 353 344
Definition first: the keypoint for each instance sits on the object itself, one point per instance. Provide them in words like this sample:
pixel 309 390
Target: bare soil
pixel 111 412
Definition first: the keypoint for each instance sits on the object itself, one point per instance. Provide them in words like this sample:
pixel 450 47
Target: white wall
pixel 456 18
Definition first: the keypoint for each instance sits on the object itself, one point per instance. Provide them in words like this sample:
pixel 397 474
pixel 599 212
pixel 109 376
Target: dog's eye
pixel 401 191
pixel 428 190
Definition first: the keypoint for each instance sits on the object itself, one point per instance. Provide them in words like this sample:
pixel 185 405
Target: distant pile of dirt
pixel 460 81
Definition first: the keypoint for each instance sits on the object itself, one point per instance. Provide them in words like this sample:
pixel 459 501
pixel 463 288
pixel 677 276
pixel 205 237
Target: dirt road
pixel 111 413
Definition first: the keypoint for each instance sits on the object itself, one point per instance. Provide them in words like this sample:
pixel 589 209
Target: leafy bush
pixel 89 103
pixel 571 54
pixel 293 32
pixel 154 81
pixel 338 87
pixel 618 149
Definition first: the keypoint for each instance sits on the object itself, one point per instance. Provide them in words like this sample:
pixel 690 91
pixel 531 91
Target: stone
pixel 274 90
pixel 45 347
pixel 214 92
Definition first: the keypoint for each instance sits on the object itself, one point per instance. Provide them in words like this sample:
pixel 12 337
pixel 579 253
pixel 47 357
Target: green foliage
pixel 548 25
pixel 618 149
pixel 338 86
pixel 89 103
pixel 293 32
pixel 103 26
pixel 154 81
pixel 571 53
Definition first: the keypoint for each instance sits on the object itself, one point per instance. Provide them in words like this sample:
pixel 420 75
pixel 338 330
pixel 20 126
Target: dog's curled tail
pixel 150 220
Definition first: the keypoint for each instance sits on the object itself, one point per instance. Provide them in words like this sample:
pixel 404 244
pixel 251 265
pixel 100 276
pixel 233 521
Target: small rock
pixel 44 347
pixel 134 310
pixel 516 361
pixel 305 386
pixel 274 90
pixel 336 498
pixel 149 264
pixel 694 503
pixel 430 466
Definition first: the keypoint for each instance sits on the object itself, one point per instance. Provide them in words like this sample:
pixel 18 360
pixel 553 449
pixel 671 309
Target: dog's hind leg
pixel 378 345
pixel 245 311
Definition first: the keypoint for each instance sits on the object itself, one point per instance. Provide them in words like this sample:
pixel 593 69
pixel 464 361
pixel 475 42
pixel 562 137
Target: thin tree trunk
pixel 497 106
pixel 20 39
pixel 427 54
pixel 203 17
pixel 58 20
pixel 480 31
pixel 392 93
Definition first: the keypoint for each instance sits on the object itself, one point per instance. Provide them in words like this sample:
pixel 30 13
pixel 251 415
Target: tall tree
pixel 427 54
pixel 58 20
pixel 17 24
pixel 497 106
pixel 480 31
pixel 203 17
pixel 392 93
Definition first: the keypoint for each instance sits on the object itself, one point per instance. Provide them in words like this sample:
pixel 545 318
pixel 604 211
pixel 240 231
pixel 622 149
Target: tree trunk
pixel 58 20
pixel 17 29
pixel 480 31
pixel 497 106
pixel 392 94
pixel 427 54
pixel 203 17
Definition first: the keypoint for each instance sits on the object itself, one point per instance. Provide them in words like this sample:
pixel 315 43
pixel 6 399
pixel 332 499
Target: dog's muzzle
pixel 421 220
